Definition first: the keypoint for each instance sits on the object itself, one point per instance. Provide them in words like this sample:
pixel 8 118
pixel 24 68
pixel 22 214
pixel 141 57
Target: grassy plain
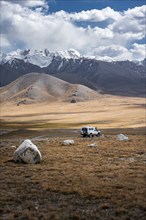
pixel 107 182
pixel 106 112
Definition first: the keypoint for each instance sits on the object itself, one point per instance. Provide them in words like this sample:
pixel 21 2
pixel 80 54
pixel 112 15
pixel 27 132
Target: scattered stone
pixel 102 136
pixel 131 159
pixel 92 145
pixel 13 146
pixel 68 142
pixel 122 137
pixel 27 152
pixel 40 138
pixel 73 101
pixel 140 152
pixel 22 102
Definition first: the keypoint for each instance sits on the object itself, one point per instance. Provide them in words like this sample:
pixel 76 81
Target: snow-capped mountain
pixel 110 77
pixel 41 58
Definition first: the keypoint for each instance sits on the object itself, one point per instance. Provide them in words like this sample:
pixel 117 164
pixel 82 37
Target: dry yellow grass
pixel 106 112
pixel 76 182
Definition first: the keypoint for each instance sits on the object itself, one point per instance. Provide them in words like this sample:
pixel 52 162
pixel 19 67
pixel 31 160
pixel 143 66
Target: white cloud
pixel 94 15
pixel 35 30
pixel 138 51
pixel 27 27
pixel 40 5
pixel 132 20
pixel 4 41
pixel 29 3
pixel 115 52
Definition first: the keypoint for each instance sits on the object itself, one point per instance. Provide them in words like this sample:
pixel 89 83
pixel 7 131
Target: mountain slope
pixel 116 77
pixel 36 87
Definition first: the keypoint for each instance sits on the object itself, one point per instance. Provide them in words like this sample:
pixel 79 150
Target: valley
pixel 104 112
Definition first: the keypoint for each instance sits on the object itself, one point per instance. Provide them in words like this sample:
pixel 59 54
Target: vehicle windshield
pixel 84 129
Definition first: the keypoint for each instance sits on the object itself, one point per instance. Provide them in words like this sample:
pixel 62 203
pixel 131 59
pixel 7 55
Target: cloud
pixel 4 41
pixel 40 5
pixel 25 24
pixel 115 52
pixel 29 3
pixel 138 51
pixel 132 20
pixel 93 15
pixel 34 30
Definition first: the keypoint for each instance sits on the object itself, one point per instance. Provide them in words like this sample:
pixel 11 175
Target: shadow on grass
pixel 52 113
pixel 36 124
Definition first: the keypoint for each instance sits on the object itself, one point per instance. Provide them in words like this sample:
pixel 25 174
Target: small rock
pixel 122 137
pixel 73 101
pixel 102 136
pixel 13 146
pixel 131 159
pixel 92 145
pixel 68 142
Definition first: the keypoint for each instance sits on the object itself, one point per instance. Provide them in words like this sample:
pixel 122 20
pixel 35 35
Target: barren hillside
pixel 36 87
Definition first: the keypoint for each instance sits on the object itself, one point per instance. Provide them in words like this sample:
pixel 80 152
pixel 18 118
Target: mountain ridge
pixel 116 77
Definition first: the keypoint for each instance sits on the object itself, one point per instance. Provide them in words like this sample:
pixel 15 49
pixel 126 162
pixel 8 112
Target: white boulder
pixel 122 137
pixel 27 152
pixel 68 142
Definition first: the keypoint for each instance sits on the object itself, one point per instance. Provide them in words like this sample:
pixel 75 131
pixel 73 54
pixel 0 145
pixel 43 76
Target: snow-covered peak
pixel 67 54
pixel 42 58
pixel 104 58
pixel 10 56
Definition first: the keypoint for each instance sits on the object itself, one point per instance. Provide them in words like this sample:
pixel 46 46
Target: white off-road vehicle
pixel 90 131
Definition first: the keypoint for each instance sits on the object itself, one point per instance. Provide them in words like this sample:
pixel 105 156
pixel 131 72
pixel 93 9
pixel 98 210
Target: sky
pixel 112 29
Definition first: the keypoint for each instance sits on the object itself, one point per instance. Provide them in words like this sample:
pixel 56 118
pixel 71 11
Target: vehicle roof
pixel 88 127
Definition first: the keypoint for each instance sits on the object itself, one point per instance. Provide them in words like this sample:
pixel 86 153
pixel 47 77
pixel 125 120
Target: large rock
pixel 27 152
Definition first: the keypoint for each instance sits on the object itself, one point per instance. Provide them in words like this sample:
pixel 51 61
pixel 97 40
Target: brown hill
pixel 38 87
